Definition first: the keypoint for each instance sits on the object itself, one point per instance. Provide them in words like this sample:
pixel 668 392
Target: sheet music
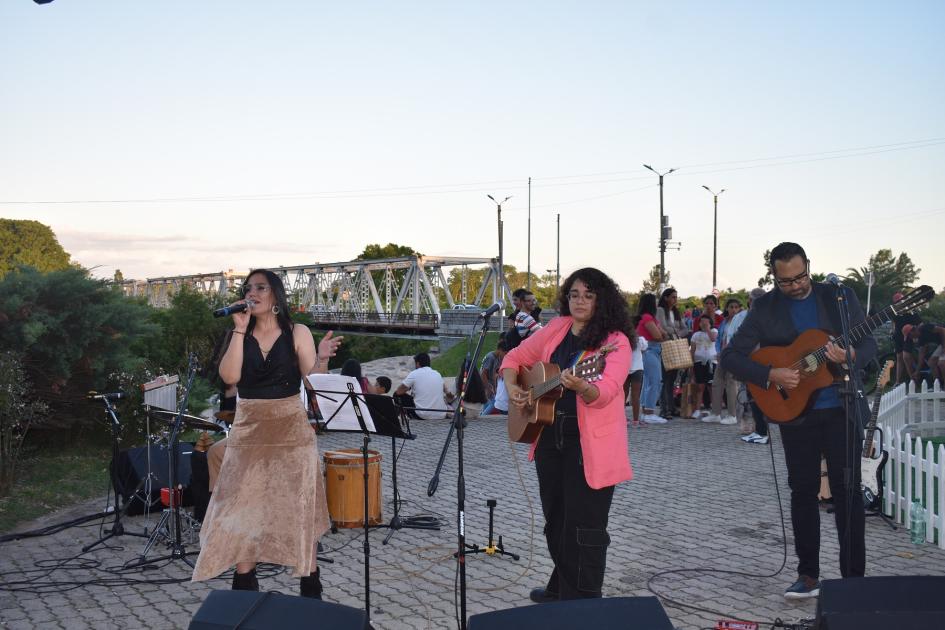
pixel 329 403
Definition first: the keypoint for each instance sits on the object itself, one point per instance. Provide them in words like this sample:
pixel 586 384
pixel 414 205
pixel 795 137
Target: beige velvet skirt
pixel 269 502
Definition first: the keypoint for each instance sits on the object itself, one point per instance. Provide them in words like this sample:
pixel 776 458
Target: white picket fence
pixel 908 417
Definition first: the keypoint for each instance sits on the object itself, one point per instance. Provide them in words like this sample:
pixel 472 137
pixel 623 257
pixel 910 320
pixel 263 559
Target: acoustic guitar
pixel 871 463
pixel 808 355
pixel 542 381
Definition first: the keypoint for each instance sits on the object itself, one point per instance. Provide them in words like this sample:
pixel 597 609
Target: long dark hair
pixel 647 306
pixel 611 312
pixel 665 294
pixel 282 303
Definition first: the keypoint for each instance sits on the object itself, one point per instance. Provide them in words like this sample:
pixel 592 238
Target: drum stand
pixel 117 528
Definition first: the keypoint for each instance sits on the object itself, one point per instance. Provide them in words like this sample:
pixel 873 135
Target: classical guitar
pixel 542 381
pixel 808 355
pixel 871 463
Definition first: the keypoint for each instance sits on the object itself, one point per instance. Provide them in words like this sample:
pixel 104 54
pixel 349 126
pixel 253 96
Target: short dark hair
pixel 422 358
pixel 708 317
pixel 731 301
pixel 786 251
pixel 520 293
pixel 502 345
pixel 384 382
pixel 710 298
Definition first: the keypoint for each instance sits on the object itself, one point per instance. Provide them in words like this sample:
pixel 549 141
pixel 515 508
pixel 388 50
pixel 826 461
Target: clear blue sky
pixel 334 125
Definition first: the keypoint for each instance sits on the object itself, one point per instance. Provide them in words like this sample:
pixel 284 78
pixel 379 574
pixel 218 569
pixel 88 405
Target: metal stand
pixel 396 522
pixel 117 528
pixel 492 548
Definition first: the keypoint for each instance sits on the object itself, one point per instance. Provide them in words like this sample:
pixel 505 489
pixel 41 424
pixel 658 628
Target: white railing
pixel 908 417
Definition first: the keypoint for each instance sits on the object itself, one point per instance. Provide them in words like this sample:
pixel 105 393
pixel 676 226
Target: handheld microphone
pixel 834 279
pixel 109 396
pixel 492 310
pixel 229 310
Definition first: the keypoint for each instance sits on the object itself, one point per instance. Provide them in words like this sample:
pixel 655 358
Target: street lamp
pixel 664 234
pixel 501 279
pixel 715 229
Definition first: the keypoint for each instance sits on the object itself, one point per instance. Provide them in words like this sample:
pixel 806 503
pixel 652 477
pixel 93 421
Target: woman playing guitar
pixel 582 454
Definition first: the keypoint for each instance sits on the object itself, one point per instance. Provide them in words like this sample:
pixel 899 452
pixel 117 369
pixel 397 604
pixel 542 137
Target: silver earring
pixel 275 309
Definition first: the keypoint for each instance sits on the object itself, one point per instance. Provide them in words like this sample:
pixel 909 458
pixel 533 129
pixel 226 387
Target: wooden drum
pixel 344 483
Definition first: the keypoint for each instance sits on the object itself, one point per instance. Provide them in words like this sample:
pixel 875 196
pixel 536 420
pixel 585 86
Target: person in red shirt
pixel 710 305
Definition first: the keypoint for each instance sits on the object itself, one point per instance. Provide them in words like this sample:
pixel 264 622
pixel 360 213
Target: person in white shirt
pixel 428 395
pixel 704 359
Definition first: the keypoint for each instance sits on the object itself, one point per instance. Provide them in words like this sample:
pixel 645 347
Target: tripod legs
pixel 492 548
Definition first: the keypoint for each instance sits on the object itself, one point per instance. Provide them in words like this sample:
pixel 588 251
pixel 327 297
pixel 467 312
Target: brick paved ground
pixel 700 499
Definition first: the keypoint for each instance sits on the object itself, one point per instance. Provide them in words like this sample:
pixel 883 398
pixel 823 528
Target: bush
pixel 17 413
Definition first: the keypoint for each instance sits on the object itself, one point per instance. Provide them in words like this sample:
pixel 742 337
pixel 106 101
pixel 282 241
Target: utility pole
pixel 666 232
pixel 501 279
pixel 528 269
pixel 715 231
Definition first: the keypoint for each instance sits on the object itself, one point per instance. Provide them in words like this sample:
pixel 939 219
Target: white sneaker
pixel 749 437
pixel 710 418
pixel 728 420
pixel 652 418
pixel 758 439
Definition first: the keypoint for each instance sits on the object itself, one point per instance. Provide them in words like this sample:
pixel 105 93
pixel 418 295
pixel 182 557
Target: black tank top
pixel 276 376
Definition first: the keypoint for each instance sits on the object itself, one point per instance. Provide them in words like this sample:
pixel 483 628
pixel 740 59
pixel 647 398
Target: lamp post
pixel 715 230
pixel 663 235
pixel 501 278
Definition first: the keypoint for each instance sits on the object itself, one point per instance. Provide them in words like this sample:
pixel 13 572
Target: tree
pixel 891 273
pixel 652 283
pixel 391 250
pixel 18 410
pixel 767 280
pixel 72 333
pixel 30 243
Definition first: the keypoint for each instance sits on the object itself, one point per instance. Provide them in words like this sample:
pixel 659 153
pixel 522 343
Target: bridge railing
pixel 379 320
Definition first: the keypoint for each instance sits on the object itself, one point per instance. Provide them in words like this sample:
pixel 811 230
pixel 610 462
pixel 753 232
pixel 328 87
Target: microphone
pixel 109 396
pixel 229 310
pixel 492 310
pixel 834 279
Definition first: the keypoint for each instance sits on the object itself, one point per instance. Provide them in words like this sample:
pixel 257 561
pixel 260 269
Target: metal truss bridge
pixel 410 296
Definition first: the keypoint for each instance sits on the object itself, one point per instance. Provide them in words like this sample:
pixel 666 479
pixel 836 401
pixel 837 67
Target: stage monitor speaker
pixel 623 613
pixel 249 610
pixel 875 603
pixel 133 472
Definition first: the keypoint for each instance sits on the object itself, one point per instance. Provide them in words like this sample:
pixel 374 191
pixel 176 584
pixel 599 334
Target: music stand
pixel 350 412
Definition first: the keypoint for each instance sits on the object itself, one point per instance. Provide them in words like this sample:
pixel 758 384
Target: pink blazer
pixel 602 423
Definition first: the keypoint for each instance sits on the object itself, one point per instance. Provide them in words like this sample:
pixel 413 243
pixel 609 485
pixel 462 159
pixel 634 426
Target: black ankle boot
pixel 311 585
pixel 245 581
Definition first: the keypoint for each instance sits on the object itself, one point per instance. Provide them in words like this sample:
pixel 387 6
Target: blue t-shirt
pixel 804 315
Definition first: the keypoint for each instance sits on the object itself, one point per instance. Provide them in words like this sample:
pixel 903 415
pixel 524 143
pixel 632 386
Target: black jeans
pixel 824 431
pixel 575 514
pixel 761 425
pixel 668 401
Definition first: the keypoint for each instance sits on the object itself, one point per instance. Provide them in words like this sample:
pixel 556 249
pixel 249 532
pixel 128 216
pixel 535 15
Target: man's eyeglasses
pixel 259 288
pixel 574 296
pixel 798 279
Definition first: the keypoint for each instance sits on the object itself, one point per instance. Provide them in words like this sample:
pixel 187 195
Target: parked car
pixel 467 307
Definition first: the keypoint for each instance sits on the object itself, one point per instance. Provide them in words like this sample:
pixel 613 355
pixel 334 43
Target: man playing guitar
pixel 777 319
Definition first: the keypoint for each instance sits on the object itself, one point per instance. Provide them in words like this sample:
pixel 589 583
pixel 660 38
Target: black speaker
pixel 880 603
pixel 249 610
pixel 614 613
pixel 132 467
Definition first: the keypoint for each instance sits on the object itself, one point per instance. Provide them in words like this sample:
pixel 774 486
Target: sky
pixel 177 138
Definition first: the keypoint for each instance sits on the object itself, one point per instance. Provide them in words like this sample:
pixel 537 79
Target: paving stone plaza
pixel 701 499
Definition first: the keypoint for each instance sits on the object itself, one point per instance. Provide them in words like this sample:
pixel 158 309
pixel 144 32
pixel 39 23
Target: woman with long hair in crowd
pixel 648 329
pixel 583 454
pixel 269 503
pixel 673 326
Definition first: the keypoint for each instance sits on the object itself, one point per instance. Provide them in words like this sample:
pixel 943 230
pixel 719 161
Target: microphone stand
pixel 457 425
pixel 851 392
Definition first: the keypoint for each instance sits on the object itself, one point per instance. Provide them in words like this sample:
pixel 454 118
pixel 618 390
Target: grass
pixel 53 478
pixel 451 362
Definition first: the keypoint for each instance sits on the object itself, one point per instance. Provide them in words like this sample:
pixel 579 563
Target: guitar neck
pixel 543 388
pixel 860 331
pixel 871 427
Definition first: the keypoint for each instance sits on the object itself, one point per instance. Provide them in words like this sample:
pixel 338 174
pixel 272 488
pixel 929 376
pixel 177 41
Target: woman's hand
pixel 517 396
pixel 581 387
pixel 241 320
pixel 328 346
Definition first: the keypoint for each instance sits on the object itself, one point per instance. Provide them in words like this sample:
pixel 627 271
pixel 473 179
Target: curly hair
pixel 611 312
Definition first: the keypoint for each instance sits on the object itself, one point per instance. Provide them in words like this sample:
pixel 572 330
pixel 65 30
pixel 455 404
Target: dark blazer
pixel 769 323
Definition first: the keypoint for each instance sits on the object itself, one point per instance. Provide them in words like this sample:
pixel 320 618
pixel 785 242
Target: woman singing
pixel 583 455
pixel 269 502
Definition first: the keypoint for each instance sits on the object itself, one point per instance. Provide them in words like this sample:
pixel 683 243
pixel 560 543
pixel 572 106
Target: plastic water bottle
pixel 917 518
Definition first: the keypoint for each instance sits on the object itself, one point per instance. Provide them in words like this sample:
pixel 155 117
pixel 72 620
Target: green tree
pixel 891 273
pixel 391 250
pixel 73 334
pixel 652 282
pixel 18 410
pixel 30 243
pixel 766 281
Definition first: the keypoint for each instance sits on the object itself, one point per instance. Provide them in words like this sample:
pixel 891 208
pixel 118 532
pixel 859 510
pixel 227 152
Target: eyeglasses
pixel 258 288
pixel 798 279
pixel 574 296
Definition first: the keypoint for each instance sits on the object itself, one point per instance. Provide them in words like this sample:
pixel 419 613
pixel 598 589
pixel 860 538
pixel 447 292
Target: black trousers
pixel 825 431
pixel 761 425
pixel 668 400
pixel 575 514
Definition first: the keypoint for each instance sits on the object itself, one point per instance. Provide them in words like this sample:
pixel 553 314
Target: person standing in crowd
pixel 429 395
pixel 670 321
pixel 776 319
pixel 634 383
pixel 649 330
pixel 760 434
pixel 583 455
pixel 704 357
pixel 489 371
pixel 723 381
pixel 903 362
pixel 524 324
pixel 269 502
pixel 710 305
pixel 930 341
